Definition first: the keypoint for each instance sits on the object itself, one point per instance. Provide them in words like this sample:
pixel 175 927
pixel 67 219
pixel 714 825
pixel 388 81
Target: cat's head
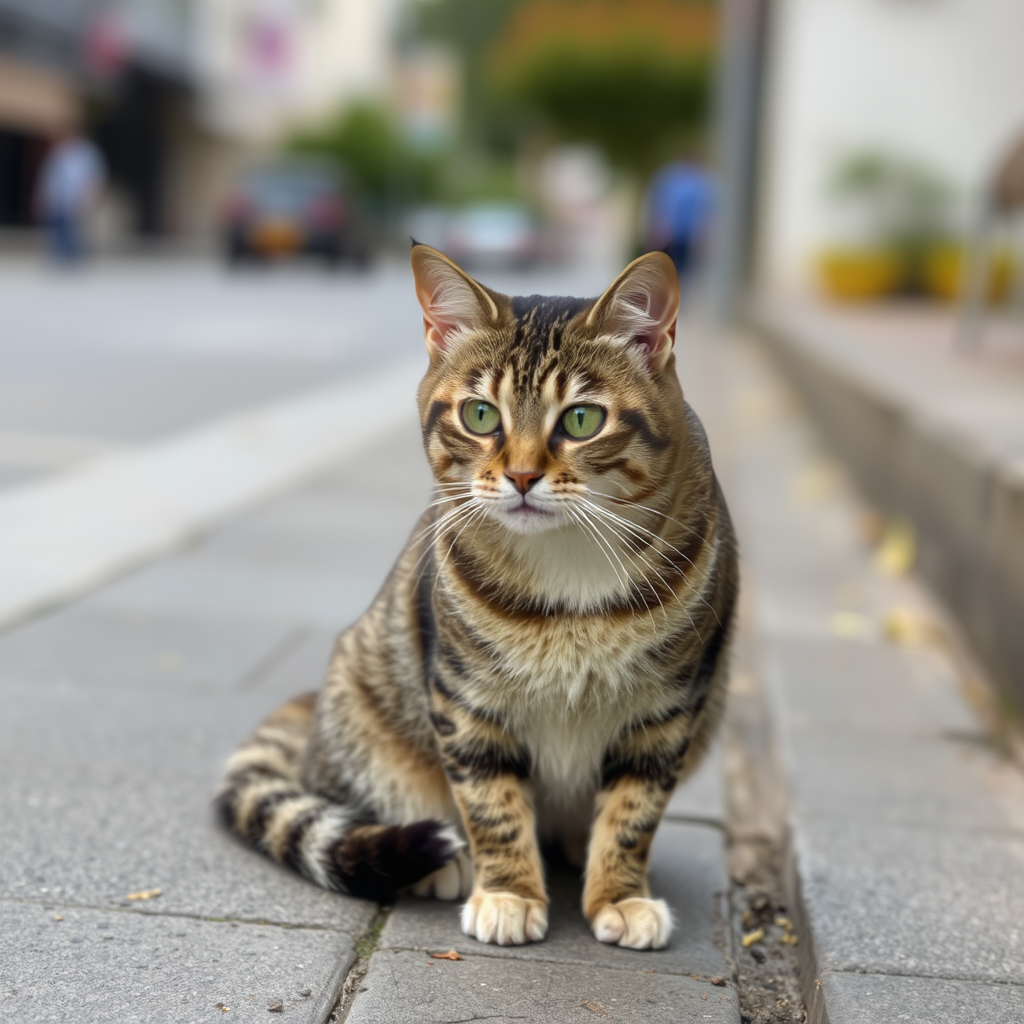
pixel 535 406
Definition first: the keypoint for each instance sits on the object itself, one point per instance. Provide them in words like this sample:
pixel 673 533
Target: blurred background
pixel 852 141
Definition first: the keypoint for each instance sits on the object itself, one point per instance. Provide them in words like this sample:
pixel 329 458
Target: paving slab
pixel 926 902
pixel 411 988
pixel 141 650
pixel 687 870
pixel 115 966
pixel 869 998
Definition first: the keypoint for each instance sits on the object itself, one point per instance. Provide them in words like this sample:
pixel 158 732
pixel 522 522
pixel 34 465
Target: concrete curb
pixel 963 493
pixel 65 535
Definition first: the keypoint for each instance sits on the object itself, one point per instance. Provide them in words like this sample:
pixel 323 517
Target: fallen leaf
pixel 895 555
pixel 144 894
pixel 450 955
pixel 850 626
pixel 751 937
pixel 906 627
pixel 277 1006
pixel 595 1007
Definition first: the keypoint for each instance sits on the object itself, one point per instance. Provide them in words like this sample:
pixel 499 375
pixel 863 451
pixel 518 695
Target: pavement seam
pixel 139 912
pixel 365 945
pixel 865 973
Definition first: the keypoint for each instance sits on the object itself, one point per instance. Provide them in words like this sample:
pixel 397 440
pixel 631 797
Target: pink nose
pixel 524 480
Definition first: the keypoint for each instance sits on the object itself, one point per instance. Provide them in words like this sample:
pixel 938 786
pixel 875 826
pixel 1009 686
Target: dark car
pixel 292 209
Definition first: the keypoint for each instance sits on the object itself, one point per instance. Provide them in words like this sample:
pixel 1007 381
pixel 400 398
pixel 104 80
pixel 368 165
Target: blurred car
pixel 292 208
pixel 494 234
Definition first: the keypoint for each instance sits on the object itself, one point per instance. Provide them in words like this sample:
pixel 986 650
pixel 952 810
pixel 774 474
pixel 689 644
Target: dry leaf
pixel 895 555
pixel 450 955
pixel 908 628
pixel 751 937
pixel 144 894
pixel 595 1007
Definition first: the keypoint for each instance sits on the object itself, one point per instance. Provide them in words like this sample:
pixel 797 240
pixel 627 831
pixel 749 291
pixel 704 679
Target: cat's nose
pixel 523 480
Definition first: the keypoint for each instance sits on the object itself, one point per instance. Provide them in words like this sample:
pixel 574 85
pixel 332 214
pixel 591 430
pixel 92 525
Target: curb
pixel 963 495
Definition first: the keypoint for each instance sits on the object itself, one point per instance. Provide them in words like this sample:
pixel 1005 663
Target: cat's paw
pixel 505 918
pixel 635 923
pixel 451 882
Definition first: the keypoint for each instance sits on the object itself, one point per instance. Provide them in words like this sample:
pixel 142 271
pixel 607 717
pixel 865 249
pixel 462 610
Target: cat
pixel 547 659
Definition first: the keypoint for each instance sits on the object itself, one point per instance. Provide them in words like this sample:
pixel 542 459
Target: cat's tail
pixel 262 800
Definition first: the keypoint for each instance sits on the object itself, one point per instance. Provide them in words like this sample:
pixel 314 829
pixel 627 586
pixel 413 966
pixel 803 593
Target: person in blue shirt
pixel 680 207
pixel 70 182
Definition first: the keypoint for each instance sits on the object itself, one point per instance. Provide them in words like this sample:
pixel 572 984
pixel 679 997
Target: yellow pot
pixel 859 275
pixel 944 274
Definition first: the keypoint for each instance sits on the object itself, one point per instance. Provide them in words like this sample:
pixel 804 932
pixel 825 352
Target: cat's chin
pixel 526 520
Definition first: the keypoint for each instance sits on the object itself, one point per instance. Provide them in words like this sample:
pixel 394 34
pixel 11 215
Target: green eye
pixel 583 420
pixel 481 417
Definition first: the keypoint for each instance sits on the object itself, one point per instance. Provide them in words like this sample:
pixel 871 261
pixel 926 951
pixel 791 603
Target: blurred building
pixel 939 82
pixel 177 93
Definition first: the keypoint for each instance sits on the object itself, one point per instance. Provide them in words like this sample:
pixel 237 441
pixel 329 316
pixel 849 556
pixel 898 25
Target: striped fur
pixel 545 663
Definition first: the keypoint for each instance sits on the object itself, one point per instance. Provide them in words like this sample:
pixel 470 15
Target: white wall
pixel 938 80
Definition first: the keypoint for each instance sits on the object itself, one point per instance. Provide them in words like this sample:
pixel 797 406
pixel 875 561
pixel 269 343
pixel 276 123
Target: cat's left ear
pixel 640 308
pixel 453 303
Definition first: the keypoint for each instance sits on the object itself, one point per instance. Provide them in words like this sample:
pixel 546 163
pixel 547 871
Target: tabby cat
pixel 547 659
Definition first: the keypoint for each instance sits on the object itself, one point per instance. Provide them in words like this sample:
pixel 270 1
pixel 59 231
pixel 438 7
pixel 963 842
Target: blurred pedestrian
pixel 70 182
pixel 680 205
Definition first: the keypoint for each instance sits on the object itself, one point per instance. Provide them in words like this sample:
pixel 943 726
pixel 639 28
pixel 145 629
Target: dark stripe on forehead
pixel 436 411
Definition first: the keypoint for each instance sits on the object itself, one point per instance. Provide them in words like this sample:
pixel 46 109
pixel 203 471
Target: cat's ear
pixel 453 303
pixel 640 308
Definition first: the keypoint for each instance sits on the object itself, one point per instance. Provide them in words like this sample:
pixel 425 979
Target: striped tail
pixel 262 800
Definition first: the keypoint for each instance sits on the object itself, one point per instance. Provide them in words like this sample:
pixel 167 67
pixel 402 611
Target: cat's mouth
pixel 527 517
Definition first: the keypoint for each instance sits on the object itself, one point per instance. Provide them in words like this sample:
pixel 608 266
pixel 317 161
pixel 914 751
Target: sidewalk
pixel 906 846
pixel 904 825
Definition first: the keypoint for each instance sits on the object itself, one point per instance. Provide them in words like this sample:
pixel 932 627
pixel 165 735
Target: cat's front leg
pixel 488 776
pixel 639 777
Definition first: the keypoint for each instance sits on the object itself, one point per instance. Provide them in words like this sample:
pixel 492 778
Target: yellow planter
pixel 853 275
pixel 944 274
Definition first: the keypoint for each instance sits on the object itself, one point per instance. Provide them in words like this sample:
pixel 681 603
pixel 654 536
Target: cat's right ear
pixel 454 305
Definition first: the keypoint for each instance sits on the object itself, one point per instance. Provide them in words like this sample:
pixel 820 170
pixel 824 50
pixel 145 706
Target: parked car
pixel 494 234
pixel 290 209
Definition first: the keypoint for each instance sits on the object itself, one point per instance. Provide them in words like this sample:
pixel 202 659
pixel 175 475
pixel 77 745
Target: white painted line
pixel 64 535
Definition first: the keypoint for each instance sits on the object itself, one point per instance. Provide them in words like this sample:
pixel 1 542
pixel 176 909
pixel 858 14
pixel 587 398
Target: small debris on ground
pixel 275 1006
pixel 450 955
pixel 750 938
pixel 305 992
pixel 720 982
pixel 57 917
pixel 144 894
pixel 759 954
pixel 595 1007
pixel 222 1007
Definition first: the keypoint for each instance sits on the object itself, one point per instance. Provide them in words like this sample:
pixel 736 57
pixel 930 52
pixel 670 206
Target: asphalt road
pixel 125 353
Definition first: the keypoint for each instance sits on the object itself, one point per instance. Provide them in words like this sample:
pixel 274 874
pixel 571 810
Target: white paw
pixel 636 923
pixel 504 918
pixel 451 882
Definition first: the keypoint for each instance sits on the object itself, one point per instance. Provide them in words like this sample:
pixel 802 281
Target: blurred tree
pixel 632 76
pixel 367 146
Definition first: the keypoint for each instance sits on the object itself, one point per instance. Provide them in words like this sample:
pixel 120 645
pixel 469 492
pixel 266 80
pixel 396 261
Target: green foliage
pixel 632 77
pixel 367 147
pixel 905 204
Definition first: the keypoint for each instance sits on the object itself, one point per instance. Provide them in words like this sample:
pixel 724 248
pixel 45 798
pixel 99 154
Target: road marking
pixel 62 536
